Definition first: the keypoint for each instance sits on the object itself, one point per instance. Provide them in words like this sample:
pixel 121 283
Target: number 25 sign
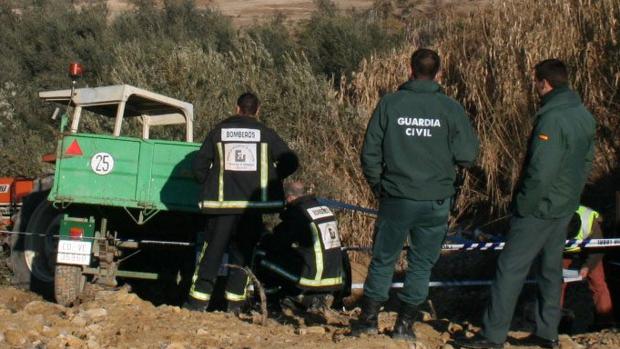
pixel 102 163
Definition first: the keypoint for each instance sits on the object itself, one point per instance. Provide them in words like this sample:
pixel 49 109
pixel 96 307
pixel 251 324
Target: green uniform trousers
pixel 425 223
pixel 530 241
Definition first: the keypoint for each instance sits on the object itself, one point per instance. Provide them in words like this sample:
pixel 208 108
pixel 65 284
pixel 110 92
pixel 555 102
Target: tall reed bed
pixel 487 59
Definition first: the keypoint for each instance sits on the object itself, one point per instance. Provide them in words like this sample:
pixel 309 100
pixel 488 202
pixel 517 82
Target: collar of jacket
pixel 300 200
pixel 241 118
pixel 558 97
pixel 421 86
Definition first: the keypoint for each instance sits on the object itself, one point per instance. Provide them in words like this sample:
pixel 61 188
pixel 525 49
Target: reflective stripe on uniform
pixel 220 182
pixel 318 252
pixel 235 297
pixel 192 291
pixel 199 295
pixel 238 297
pixel 322 282
pixel 587 217
pixel 264 171
pixel 241 204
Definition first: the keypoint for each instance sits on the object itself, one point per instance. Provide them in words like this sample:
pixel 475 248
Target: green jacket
pixel 414 139
pixel 559 157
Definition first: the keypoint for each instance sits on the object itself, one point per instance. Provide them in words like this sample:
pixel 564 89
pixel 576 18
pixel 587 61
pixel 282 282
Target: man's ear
pixel 439 75
pixel 411 73
pixel 237 110
pixel 257 111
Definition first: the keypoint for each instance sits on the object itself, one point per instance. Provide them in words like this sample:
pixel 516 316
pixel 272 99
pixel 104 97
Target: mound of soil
pixel 120 319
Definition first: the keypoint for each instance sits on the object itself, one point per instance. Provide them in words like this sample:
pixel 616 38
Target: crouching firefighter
pixel 303 254
pixel 241 165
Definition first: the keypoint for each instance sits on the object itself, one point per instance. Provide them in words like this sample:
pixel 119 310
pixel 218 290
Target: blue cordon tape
pixel 359 286
pixel 465 246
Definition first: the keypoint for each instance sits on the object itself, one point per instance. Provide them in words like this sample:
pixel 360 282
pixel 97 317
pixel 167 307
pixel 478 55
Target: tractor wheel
pixel 64 283
pixel 40 247
pixel 17 261
pixel 68 284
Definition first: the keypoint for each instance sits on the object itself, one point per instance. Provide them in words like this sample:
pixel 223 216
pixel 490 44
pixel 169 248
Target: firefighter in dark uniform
pixel 241 165
pixel 415 139
pixel 558 162
pixel 304 250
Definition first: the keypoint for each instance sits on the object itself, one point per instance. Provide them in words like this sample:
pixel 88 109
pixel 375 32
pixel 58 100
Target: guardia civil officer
pixel 415 139
pixel 241 165
pixel 558 163
pixel 304 250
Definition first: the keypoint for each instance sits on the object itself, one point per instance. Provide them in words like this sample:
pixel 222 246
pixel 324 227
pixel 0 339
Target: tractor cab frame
pixel 122 101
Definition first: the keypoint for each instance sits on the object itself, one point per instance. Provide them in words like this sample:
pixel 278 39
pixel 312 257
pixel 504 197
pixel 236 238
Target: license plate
pixel 73 258
pixel 73 252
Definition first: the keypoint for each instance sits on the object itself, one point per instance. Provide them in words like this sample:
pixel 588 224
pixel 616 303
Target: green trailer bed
pixel 125 172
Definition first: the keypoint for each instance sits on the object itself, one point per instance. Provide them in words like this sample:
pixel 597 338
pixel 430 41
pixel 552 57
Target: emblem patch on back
pixel 329 235
pixel 240 157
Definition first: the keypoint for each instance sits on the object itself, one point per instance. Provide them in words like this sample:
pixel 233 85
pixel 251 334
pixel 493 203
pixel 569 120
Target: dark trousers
pixel 530 240
pixel 235 234
pixel 425 224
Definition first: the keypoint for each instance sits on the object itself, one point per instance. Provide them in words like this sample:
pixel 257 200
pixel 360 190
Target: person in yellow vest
pixel 586 224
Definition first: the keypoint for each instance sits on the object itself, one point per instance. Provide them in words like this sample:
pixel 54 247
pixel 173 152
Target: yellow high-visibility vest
pixel 587 217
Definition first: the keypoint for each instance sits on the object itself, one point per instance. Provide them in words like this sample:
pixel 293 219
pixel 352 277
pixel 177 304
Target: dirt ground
pixel 120 319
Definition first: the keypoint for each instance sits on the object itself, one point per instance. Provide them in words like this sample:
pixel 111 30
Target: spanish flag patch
pixel 543 137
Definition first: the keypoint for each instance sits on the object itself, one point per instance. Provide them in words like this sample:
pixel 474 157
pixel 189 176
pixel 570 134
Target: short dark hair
pixel 552 70
pixel 248 104
pixel 425 63
pixel 295 188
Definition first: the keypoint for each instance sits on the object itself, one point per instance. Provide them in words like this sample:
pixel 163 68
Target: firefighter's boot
pixel 368 321
pixel 235 307
pixel 403 328
pixel 194 304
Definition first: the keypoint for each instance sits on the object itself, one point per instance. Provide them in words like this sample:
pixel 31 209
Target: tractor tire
pixel 17 262
pixel 68 284
pixel 39 248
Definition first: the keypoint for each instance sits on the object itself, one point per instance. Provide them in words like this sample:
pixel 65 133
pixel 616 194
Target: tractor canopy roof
pixel 120 101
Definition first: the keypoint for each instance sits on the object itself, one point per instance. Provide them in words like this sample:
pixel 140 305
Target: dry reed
pixel 487 59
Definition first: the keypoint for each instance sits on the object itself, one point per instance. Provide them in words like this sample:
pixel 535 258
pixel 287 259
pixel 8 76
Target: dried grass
pixel 487 59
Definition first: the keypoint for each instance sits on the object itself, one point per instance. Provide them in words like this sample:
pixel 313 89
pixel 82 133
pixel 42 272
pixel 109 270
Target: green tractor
pixel 119 206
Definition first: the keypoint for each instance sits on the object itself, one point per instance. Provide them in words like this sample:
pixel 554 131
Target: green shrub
pixel 336 44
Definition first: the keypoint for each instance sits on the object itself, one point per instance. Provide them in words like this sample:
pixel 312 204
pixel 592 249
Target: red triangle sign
pixel 74 149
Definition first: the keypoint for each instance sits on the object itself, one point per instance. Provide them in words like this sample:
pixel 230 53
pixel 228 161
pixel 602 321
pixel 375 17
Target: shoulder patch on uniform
pixel 319 212
pixel 543 137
